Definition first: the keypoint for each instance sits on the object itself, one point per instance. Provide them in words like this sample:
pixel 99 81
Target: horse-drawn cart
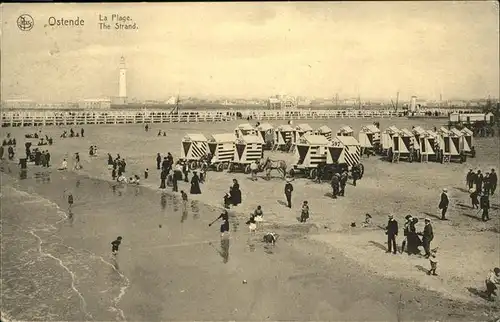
pixel 310 151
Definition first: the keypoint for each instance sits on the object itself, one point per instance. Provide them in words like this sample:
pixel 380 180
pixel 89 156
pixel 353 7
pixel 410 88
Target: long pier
pixel 21 118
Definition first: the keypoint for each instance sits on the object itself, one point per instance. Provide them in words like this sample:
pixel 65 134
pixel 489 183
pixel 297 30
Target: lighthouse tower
pixel 122 91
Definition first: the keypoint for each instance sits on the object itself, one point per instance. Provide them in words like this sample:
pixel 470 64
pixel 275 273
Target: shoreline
pixel 310 233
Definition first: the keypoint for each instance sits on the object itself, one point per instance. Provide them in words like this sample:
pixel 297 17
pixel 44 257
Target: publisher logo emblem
pixel 25 22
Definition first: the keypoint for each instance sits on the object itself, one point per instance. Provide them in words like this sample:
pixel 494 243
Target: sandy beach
pixel 321 270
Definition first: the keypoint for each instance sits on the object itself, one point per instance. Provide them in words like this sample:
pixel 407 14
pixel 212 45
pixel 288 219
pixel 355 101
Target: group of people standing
pixel 480 188
pixel 180 172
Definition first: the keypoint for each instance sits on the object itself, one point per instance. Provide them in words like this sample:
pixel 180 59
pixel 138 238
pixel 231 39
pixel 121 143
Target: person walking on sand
pixel 158 161
pixel 163 177
pixel 428 236
pixel 195 184
pixel 406 232
pixel 391 230
pixel 115 244
pixel 469 179
pixel 493 181
pixel 235 193
pixel 485 206
pixel 492 282
pixel 185 171
pixel 70 201
pixel 434 262
pixel 474 198
pixel 443 204
pixel 304 213
pixel 288 192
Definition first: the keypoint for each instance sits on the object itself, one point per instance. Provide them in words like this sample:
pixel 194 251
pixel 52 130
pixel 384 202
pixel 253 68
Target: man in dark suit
pixel 469 179
pixel 288 193
pixel 428 236
pixel 493 181
pixel 479 181
pixel 443 204
pixel 391 231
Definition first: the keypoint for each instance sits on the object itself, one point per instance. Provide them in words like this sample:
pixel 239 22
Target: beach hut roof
pixel 248 139
pixel 431 133
pixel 313 139
pixel 405 132
pixel 467 132
pixel 245 126
pixel 443 130
pixel 372 128
pixel 455 132
pixel 195 137
pixel 285 128
pixel 346 128
pixel 223 137
pixel 418 130
pixel 324 129
pixel 347 140
pixel 392 128
pixel 304 127
pixel 264 127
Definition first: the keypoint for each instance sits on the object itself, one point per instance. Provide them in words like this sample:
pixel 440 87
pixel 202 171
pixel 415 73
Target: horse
pixel 268 165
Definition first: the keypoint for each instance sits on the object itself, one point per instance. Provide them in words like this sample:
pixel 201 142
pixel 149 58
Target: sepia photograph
pixel 250 161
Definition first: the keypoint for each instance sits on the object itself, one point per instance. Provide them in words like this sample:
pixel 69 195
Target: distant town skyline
pixel 255 50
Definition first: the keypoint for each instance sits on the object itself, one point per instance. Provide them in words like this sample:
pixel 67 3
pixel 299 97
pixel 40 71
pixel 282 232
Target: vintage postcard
pixel 250 161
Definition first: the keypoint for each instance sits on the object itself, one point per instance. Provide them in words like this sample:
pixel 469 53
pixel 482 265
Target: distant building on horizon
pixel 95 104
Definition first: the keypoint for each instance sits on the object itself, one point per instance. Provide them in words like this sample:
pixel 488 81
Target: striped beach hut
pixel 325 131
pixel 221 147
pixel 468 142
pixel 386 138
pixel 310 151
pixel 266 132
pixel 429 145
pixel 369 137
pixel 193 148
pixel 245 129
pixel 344 150
pixel 345 130
pixel 300 130
pixel 403 146
pixel 450 145
pixel 248 149
pixel 417 132
pixel 283 137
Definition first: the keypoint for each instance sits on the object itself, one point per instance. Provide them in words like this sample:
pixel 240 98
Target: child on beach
pixel 305 212
pixel 474 194
pixel 184 198
pixel 368 221
pixel 70 201
pixel 434 262
pixel 252 225
pixel 146 173
pixel 115 244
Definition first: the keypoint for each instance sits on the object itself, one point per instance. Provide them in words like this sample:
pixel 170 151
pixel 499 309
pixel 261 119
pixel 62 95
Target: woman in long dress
pixel 195 184
pixel 235 193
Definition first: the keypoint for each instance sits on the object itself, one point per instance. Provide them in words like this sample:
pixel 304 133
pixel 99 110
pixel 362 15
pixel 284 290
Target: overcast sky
pixel 255 49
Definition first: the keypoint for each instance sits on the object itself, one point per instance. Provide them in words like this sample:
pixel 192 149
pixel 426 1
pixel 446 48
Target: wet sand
pixel 60 267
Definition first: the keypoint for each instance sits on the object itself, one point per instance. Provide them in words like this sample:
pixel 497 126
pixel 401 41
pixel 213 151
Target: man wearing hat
pixel 335 185
pixel 406 232
pixel 484 202
pixel 493 181
pixel 428 236
pixel 288 192
pixel 469 179
pixel 391 231
pixel 443 204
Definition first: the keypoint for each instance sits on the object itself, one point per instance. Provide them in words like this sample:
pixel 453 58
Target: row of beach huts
pixel 311 147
